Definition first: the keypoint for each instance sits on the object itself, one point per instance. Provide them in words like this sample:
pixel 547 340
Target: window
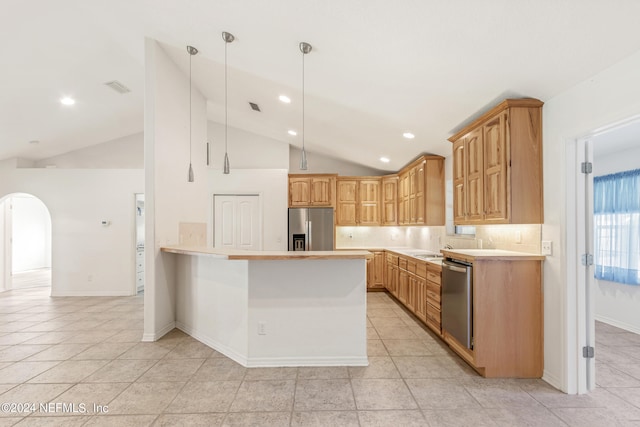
pixel 616 200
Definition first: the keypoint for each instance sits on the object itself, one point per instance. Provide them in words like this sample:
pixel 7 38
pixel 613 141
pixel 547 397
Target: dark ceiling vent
pixel 118 87
pixel 254 106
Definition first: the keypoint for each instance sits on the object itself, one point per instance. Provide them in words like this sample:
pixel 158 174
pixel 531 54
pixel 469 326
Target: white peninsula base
pixel 275 311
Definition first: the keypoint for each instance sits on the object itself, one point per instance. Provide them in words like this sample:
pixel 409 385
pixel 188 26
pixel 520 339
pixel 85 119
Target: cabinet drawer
pixel 392 259
pixel 421 269
pixel 402 262
pixel 435 326
pixel 433 293
pixel 411 266
pixel 433 313
pixel 433 276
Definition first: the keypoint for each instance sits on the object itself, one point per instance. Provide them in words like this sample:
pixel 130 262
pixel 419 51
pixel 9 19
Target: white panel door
pixel 237 222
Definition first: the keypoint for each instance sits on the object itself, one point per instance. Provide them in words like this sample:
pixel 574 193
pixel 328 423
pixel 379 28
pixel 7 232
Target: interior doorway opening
pixel 25 242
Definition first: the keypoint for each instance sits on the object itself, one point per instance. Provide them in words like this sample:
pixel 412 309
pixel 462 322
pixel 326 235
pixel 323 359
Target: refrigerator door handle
pixel 310 247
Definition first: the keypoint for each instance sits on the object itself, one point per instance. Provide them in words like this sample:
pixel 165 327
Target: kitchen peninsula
pixel 274 308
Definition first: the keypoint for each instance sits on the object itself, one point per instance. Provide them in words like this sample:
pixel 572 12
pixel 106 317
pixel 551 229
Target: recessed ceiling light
pixel 34 141
pixel 292 132
pixel 384 159
pixel 285 99
pixel 67 100
pixel 408 135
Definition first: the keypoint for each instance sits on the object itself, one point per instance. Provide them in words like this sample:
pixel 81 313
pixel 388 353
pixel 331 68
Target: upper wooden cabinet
pixel 390 200
pixel 497 166
pixel 312 190
pixel 421 192
pixel 358 200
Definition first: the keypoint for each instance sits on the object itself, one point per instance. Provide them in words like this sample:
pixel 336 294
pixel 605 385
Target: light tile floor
pixel 61 352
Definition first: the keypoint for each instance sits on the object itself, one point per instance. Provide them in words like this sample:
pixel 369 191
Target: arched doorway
pixel 25 242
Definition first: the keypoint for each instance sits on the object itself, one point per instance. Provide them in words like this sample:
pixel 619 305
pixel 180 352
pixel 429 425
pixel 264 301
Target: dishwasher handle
pixel 460 268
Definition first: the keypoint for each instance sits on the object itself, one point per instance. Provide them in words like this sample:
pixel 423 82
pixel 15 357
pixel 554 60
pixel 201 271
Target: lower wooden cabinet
pixel 375 271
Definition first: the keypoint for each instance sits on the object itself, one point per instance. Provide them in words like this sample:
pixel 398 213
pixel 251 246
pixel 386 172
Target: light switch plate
pixel 547 247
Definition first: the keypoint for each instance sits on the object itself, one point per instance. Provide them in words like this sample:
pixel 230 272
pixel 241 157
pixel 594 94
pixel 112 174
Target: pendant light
pixel 304 48
pixel 228 38
pixel 192 51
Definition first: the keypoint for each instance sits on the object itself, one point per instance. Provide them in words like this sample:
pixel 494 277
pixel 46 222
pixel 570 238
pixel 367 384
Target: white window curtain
pixel 617 227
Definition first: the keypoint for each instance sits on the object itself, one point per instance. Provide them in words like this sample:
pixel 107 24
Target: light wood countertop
pixel 471 255
pixel 234 254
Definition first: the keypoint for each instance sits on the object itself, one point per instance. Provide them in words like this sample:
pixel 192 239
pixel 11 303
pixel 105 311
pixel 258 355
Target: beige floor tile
pixel 258 419
pixel 523 416
pixel 322 372
pixel 192 420
pixel 379 367
pixel 391 418
pixel 475 417
pixel 6 387
pixel 387 322
pixel 395 332
pixel 431 367
pixel 121 371
pixel 93 398
pixel 67 421
pixel 172 370
pixel 15 353
pixel 20 372
pixel 581 417
pixel 192 350
pixel 58 352
pixel 254 374
pixel 121 420
pixel 607 376
pixel 145 398
pixel 257 396
pixel 325 419
pixel 18 337
pixel 372 334
pixel 125 336
pixel 407 348
pixel 218 369
pixel 50 338
pixel 379 394
pixel 146 350
pixel 198 397
pixel 381 312
pixel 89 337
pixel 376 348
pixel 33 394
pixel 16 326
pixel 500 395
pixel 69 371
pixel 9 421
pixel 324 395
pixel 440 394
pixel 103 351
pixel 631 395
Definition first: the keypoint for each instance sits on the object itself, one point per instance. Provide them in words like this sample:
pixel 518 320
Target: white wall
pixel 319 163
pixel 5 247
pixel 610 96
pixel 169 198
pixel 618 304
pixel 88 259
pixel 271 185
pixel 122 153
pixel 31 234
pixel 246 150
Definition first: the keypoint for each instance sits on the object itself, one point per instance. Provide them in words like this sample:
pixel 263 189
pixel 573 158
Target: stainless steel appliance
pixel 457 300
pixel 310 229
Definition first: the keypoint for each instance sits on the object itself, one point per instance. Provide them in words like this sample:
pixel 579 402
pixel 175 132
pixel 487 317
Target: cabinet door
pixel 346 212
pixel 419 208
pixel 370 273
pixel 475 175
pixel 421 299
pixel 369 206
pixel 459 182
pixel 411 293
pixel 322 191
pixel 299 192
pixel 394 280
pixel 495 169
pixel 403 286
pixel 413 185
pixel 390 201
pixel 378 270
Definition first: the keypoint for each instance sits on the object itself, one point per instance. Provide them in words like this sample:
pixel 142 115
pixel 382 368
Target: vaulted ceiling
pixel 378 68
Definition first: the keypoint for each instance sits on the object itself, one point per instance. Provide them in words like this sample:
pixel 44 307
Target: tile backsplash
pixel 513 237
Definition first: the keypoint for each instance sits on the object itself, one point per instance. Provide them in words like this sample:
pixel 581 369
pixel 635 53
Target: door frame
pixel 579 305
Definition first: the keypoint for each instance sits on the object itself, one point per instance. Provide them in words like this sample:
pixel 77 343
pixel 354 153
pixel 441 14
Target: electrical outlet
pixel 547 247
pixel 262 328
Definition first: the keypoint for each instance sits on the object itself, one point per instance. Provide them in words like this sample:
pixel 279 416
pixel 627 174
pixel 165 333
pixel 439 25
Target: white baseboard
pixel 214 344
pixel 99 293
pixel 552 380
pixel 618 324
pixel 151 337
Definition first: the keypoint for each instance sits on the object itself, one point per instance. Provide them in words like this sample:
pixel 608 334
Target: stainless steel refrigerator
pixel 310 229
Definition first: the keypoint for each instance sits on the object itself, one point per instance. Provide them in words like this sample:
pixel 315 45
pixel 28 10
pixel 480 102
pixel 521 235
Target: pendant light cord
pixel 303 54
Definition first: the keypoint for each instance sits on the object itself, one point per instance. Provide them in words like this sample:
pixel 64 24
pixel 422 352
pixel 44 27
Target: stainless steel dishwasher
pixel 457 300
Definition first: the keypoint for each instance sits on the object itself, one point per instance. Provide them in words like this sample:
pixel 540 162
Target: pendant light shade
pixel 304 48
pixel 192 51
pixel 228 38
